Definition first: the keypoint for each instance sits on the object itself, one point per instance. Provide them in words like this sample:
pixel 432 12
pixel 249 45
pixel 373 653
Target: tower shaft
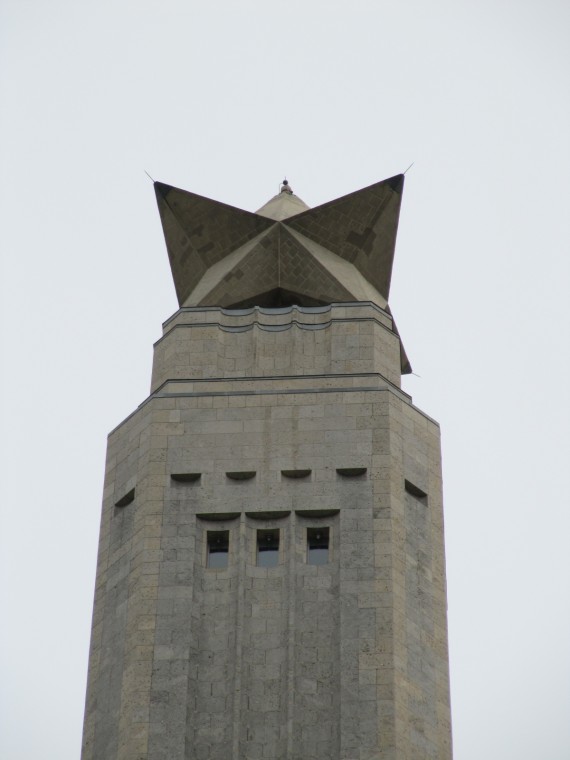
pixel 271 575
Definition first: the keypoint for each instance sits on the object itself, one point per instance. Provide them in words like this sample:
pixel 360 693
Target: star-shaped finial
pixel 285 252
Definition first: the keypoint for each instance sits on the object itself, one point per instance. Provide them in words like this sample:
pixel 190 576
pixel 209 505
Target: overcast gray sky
pixel 224 99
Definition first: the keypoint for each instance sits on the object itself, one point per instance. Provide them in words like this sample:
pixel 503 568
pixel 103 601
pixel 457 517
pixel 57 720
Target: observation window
pixel 268 548
pixel 317 546
pixel 218 548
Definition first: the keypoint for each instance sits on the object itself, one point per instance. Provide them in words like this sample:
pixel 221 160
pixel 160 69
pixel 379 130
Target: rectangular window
pixel 218 548
pixel 268 548
pixel 317 546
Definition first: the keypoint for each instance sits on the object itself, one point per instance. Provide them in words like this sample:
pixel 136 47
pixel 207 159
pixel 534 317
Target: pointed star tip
pixel 397 183
pixel 161 189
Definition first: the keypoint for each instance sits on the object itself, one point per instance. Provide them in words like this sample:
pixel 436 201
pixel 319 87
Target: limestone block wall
pixel 346 660
pixel 338 339
pixel 122 637
pixel 266 658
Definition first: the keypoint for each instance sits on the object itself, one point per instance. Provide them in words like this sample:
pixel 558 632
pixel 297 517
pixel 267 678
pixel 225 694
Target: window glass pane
pixel 317 546
pixel 218 548
pixel 267 548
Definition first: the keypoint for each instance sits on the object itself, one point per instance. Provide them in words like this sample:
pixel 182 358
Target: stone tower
pixel 271 575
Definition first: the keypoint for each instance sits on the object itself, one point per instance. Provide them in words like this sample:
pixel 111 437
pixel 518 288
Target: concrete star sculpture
pixel 285 253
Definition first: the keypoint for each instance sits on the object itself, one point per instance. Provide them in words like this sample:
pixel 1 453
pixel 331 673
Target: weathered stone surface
pixel 348 339
pixel 343 660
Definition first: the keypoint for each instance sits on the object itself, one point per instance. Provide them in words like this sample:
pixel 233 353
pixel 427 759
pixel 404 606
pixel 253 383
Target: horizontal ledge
pixel 317 512
pixel 185 477
pixel 351 472
pixel 243 475
pixel 126 499
pixel 218 516
pixel 295 473
pixel 414 490
pixel 275 515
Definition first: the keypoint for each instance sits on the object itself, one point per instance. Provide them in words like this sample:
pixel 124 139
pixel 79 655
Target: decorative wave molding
pixel 279 319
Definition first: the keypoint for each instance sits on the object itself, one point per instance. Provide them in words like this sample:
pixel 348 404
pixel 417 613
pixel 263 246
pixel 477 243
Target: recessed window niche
pixel 186 477
pixel 126 499
pixel 416 492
